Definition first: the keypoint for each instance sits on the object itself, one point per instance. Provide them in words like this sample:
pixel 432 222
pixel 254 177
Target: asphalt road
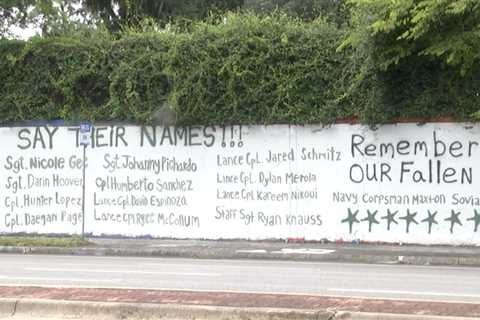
pixel 459 284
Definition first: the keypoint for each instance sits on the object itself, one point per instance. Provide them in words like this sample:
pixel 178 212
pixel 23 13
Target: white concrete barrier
pixel 400 183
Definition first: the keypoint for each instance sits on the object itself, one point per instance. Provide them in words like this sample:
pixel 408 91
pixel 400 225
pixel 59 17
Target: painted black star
pixel 371 219
pixel 476 219
pixel 454 220
pixel 390 218
pixel 431 220
pixel 409 218
pixel 351 219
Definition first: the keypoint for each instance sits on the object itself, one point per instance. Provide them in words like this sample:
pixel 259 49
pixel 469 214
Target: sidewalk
pixel 83 303
pixel 270 250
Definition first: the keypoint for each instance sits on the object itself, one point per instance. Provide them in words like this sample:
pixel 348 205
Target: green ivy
pixel 251 69
pixel 244 69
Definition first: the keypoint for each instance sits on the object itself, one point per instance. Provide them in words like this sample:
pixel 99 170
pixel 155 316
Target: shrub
pixel 251 69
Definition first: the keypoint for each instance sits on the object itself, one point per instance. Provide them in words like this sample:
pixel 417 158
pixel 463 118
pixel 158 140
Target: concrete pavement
pixel 146 288
pixel 270 250
pixel 452 284
pixel 69 300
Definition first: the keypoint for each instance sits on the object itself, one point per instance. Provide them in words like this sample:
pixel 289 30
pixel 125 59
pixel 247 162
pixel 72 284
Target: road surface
pixel 455 284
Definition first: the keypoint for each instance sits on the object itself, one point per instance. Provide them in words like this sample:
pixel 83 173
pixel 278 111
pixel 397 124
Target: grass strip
pixel 43 241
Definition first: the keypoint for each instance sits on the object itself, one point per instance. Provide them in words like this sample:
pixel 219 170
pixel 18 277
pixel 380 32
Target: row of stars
pixel 409 219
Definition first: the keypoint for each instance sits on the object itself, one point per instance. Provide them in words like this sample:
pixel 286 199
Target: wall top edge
pixel 343 121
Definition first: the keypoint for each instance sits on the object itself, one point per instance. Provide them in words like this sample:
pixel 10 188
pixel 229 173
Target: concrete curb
pixel 7 306
pixel 112 310
pixel 225 253
pixel 29 308
pixel 388 316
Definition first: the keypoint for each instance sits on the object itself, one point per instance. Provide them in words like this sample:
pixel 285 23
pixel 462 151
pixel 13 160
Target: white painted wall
pixel 241 182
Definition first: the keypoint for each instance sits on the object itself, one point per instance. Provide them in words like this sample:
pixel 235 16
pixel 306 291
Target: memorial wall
pixel 401 183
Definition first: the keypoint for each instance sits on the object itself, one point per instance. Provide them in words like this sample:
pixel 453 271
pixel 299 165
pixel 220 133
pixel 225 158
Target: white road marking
pixel 251 251
pixel 410 293
pixel 204 274
pixel 164 245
